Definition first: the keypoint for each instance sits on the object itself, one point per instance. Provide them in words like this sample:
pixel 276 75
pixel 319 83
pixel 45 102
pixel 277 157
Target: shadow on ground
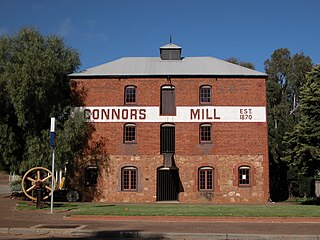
pixel 129 234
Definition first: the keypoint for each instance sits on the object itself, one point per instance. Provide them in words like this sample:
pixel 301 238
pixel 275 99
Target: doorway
pixel 168 184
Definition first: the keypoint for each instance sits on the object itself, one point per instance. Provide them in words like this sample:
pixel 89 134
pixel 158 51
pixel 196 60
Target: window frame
pixel 246 171
pixel 203 95
pixel 90 183
pixel 130 95
pixel 127 136
pixel 167 138
pixel 129 179
pixel 203 179
pixel 203 137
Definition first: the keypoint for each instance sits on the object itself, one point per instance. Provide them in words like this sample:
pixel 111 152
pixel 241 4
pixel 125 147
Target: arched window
pixel 205 178
pixel 167 138
pixel 130 135
pixel 205 133
pixel 130 95
pixel 244 175
pixel 129 179
pixel 91 176
pixel 205 94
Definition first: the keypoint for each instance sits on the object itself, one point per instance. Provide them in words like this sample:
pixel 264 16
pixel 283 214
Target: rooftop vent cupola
pixel 170 52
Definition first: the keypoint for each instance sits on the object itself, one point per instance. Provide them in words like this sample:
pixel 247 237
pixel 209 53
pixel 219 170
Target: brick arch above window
pixel 244 175
pixel 195 173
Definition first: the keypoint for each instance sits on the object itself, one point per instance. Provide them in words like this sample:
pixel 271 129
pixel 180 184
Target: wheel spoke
pixel 30 188
pixel 31 179
pixel 49 188
pixel 46 178
pixel 38 175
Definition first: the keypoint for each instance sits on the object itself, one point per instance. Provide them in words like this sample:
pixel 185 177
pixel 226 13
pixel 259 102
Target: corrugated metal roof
pixel 154 66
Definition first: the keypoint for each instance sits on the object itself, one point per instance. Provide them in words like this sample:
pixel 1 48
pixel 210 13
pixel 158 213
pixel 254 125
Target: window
pixel 130 95
pixel 130 133
pixel 91 176
pixel 205 133
pixel 244 176
pixel 205 178
pixel 205 95
pixel 129 179
pixel 168 101
pixel 167 138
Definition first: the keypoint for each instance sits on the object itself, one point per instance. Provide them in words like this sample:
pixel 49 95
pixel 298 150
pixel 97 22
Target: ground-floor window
pixel 129 179
pixel 244 173
pixel 91 176
pixel 205 178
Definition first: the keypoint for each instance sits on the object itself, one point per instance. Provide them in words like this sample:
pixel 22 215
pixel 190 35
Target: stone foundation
pixel 226 188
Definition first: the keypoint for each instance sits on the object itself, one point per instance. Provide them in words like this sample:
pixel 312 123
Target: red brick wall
pixel 233 143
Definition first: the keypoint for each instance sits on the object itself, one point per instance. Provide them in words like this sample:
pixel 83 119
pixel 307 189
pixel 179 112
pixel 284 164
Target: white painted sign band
pixel 183 114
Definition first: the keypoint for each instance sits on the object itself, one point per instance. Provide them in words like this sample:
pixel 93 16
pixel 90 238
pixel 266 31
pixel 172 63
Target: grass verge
pixel 268 210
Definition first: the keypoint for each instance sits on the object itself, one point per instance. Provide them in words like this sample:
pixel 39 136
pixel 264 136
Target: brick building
pixel 190 129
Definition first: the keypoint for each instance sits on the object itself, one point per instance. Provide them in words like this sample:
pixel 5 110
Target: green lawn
pixel 267 210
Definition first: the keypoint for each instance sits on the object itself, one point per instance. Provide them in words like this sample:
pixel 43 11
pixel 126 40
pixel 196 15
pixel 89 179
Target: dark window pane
pixel 205 133
pixel 205 94
pixel 130 95
pixel 167 139
pixel 91 176
pixel 130 133
pixel 244 176
pixel 129 179
pixel 206 179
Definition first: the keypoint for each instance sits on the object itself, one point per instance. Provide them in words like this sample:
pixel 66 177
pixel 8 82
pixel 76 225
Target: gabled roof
pixel 154 66
pixel 170 46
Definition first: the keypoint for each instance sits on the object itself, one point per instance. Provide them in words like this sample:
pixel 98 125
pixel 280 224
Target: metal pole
pixel 52 181
pixel 52 143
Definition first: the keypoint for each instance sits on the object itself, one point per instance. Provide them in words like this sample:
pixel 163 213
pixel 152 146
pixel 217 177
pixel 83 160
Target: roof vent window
pixel 170 52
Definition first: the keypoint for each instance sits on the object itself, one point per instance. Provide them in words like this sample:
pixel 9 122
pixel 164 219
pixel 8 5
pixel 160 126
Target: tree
pixel 286 74
pixel 34 87
pixel 241 63
pixel 302 144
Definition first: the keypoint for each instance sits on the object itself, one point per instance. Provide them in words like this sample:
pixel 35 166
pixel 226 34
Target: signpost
pixel 52 144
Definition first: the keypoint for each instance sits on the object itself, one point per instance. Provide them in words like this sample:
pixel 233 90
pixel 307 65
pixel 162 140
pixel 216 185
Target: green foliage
pixel 302 144
pixel 241 63
pixel 15 186
pixel 34 87
pixel 286 74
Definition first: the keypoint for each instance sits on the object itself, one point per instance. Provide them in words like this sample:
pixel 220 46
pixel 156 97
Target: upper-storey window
pixel 130 133
pixel 130 96
pixel 205 95
pixel 167 138
pixel 205 133
pixel 168 100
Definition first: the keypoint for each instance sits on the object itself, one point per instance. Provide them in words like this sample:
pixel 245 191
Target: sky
pixel 105 30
